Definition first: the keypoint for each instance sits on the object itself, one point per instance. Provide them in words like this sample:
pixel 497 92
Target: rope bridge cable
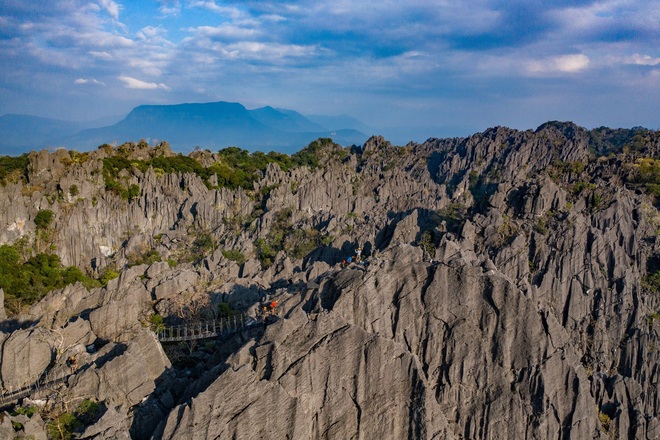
pixel 205 329
pixel 186 332
pixel 11 397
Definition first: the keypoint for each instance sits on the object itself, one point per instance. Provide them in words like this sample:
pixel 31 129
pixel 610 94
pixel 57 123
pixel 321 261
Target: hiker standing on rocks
pixel 73 363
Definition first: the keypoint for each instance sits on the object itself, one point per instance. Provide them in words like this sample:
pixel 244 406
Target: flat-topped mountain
pixel 185 126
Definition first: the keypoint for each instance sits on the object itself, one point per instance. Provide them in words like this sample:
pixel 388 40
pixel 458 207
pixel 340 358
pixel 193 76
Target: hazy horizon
pixel 413 68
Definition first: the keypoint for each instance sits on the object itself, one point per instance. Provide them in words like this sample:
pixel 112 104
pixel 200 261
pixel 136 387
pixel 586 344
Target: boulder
pixel 175 284
pixel 126 373
pixel 114 320
pixel 77 332
pixel 25 356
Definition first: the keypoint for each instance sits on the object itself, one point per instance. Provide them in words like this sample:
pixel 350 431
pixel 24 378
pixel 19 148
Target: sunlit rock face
pixel 505 290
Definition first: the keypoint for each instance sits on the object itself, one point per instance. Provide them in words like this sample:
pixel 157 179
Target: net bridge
pixel 206 329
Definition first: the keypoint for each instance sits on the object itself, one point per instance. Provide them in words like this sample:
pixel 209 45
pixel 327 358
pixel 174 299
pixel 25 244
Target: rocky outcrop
pixel 404 350
pixel 128 376
pixel 25 356
pixel 505 293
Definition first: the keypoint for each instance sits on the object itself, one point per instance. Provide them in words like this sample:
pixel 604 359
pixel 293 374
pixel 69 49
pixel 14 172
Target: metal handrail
pixel 205 329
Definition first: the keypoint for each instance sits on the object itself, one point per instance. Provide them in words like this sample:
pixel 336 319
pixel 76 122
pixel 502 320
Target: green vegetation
pixel 426 243
pixel 454 215
pixel 149 257
pixel 561 170
pixel 43 219
pixel 580 186
pixel 63 427
pixel 603 140
pixel 506 231
pixel 25 410
pixel 596 200
pixel 226 311
pixel 236 168
pixel 13 169
pixel 108 275
pixel 156 323
pixel 646 173
pixel 234 255
pixel 652 282
pixel 605 421
pixel 540 225
pixel 202 245
pixel 302 241
pixel 295 242
pixel 265 252
pixel 482 187
pixel 26 282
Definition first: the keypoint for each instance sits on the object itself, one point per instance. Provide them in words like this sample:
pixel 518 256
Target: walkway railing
pixel 187 332
pixel 46 381
pixel 206 329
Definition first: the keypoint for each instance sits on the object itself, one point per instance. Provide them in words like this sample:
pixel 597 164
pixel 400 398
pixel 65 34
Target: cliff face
pixel 507 293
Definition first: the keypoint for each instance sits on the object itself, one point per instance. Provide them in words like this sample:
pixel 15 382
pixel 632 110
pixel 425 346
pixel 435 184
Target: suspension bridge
pixel 206 329
pixel 8 398
pixel 186 332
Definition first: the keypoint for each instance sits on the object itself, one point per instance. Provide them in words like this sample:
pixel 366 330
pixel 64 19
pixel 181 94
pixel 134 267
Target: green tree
pixel 43 219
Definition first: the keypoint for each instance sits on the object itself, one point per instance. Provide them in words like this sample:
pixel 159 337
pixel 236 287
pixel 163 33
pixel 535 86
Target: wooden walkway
pixel 206 329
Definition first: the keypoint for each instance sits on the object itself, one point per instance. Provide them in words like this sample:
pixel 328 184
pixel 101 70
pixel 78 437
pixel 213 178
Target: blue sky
pixel 409 68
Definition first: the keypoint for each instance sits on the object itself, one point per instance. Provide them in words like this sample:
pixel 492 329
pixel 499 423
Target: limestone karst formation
pixel 509 287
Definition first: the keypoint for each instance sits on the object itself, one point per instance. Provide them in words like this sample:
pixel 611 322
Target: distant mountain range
pixel 210 125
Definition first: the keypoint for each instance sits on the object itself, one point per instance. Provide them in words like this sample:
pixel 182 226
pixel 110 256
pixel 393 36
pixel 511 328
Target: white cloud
pixel 225 31
pixel 572 63
pixel 100 55
pixel 107 40
pixel 265 51
pixel 149 31
pixel 643 60
pixel 88 81
pixel 154 35
pixel 111 7
pixel 212 6
pixel 132 83
pixel 169 7
pixel 153 68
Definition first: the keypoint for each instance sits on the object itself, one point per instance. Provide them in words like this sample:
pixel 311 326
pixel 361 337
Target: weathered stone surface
pixel 3 314
pixel 114 424
pixel 534 319
pixel 33 427
pixel 6 428
pixel 128 376
pixel 77 332
pixel 115 319
pixel 64 303
pixel 407 350
pixel 156 269
pixel 25 356
pixel 175 284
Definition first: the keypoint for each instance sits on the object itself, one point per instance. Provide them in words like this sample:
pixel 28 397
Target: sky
pixel 411 69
